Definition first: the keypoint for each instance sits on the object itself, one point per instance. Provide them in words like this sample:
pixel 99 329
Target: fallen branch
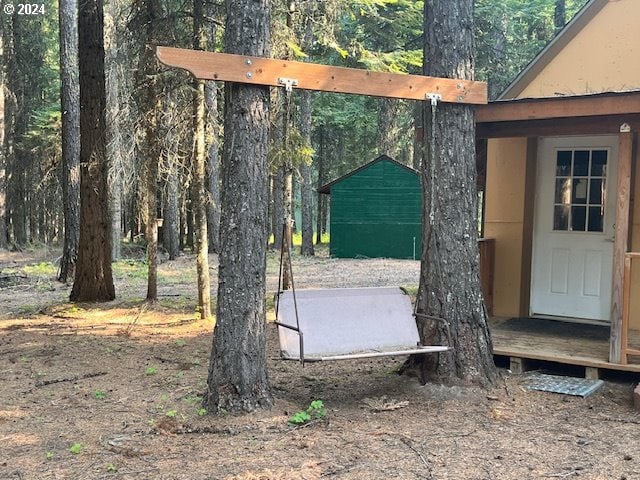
pixel 42 383
pixel 409 443
pixel 619 420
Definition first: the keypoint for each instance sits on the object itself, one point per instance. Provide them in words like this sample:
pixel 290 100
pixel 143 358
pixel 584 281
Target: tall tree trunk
pixel 150 106
pixel 387 130
pixel 560 15
pixel 151 223
pixel 213 169
pixel 93 279
pixel 4 243
pixel 277 212
pixel 321 160
pixel 171 215
pixel 69 102
pixel 306 188
pixel 113 133
pixel 237 378
pixel 171 197
pixel 199 172
pixel 450 273
pixel 418 136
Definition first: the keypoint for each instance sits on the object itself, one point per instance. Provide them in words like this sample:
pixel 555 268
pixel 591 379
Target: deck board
pixel 560 342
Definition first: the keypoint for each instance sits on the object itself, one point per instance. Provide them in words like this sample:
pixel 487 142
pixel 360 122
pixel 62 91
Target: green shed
pixel 376 211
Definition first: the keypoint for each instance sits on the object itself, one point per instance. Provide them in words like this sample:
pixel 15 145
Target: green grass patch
pixel 131 268
pixel 42 269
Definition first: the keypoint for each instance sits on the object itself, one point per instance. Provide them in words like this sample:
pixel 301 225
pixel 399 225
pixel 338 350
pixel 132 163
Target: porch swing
pixel 346 323
pixel 318 325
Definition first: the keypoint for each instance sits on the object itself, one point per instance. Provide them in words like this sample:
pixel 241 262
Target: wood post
pixel 621 242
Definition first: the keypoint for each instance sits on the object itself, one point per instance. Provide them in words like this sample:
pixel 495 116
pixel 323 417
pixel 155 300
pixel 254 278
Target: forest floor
pixel 113 391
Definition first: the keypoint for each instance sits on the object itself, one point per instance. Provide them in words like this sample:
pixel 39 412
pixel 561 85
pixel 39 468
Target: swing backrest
pixel 347 321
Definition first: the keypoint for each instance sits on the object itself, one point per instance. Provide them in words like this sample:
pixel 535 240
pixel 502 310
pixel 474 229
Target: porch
pixel 568 343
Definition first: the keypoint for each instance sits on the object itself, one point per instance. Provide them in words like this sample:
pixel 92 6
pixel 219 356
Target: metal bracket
pixel 288 83
pixel 434 98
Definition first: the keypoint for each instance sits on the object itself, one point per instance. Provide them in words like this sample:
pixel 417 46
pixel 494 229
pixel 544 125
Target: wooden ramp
pixel 568 343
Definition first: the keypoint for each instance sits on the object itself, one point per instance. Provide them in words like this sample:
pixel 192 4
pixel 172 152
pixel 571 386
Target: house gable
pixel 597 52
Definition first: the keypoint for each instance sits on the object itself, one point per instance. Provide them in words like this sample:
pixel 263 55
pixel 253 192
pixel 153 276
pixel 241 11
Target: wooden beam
pixel 309 76
pixel 595 125
pixel 621 243
pixel 560 107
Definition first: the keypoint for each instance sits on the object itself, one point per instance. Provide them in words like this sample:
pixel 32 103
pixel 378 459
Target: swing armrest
pixel 300 337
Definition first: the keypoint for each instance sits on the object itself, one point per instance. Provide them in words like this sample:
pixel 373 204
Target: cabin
pixel 561 161
pixel 376 211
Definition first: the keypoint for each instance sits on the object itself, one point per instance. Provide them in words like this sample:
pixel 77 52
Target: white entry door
pixel 574 227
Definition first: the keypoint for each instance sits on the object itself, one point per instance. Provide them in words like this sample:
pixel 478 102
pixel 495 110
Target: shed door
pixel 573 227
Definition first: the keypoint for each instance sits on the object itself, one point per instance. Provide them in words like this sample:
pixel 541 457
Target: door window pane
pixel 579 193
pixel 578 218
pixel 580 190
pixel 596 192
pixel 563 164
pixel 599 163
pixel 581 163
pixel 595 219
pixel 563 190
pixel 561 217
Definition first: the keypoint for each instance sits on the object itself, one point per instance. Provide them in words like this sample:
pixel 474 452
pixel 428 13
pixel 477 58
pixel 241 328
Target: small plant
pixel 193 399
pixel 315 411
pixel 76 448
pixel 202 412
pixel 151 371
pixel 171 413
pixel 99 394
pixel 112 468
pixel 50 454
pixel 181 342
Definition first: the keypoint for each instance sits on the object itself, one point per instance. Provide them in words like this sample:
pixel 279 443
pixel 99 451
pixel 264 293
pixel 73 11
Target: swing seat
pixel 347 323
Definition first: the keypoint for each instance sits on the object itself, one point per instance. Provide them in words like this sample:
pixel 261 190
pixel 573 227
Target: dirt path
pixel 113 392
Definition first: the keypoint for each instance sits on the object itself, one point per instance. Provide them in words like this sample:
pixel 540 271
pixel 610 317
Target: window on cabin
pixel 580 190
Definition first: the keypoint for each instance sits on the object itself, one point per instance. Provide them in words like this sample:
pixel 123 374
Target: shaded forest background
pixel 151 119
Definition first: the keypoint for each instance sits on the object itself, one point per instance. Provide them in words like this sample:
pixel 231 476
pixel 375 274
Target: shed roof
pixel 547 54
pixel 326 188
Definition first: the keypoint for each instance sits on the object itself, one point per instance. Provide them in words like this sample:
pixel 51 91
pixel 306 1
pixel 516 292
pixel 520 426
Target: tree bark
pixel 560 15
pixel 69 102
pixel 306 187
pixel 4 243
pixel 237 378
pixel 171 214
pixel 93 279
pixel 321 219
pixel 277 211
pixel 149 94
pixel 199 167
pixel 387 131
pixel 114 137
pixel 213 169
pixel 449 277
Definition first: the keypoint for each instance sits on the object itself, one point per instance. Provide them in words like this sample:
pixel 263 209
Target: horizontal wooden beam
pixel 560 107
pixel 595 125
pixel 325 78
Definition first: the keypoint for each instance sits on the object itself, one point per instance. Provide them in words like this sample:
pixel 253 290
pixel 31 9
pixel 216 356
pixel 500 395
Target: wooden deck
pixel 523 339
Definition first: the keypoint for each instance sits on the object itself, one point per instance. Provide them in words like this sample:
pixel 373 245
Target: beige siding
pixel 504 217
pixel 603 57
